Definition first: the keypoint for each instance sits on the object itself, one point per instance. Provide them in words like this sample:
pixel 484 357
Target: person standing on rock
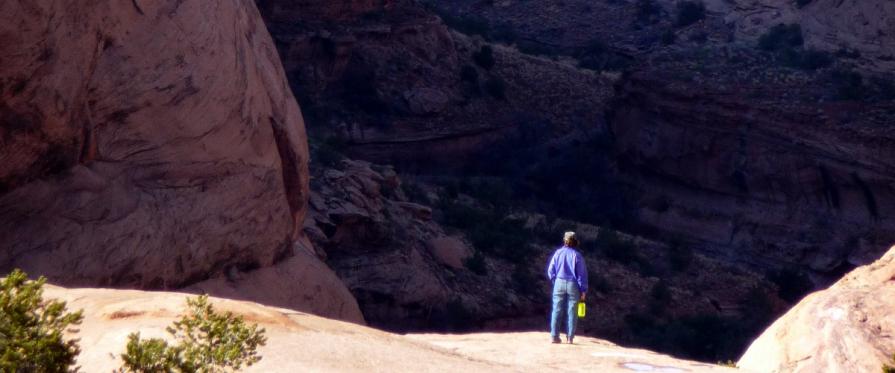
pixel 568 273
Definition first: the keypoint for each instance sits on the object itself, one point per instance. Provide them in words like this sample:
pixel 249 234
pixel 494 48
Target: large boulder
pixel 145 143
pixel 846 328
pixel 302 283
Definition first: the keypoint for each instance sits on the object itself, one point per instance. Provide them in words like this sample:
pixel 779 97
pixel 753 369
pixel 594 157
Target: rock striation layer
pixel 846 328
pixel 145 144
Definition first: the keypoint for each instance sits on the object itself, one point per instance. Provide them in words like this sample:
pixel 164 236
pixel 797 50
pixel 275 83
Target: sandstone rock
pixel 451 251
pixel 846 328
pixel 302 283
pixel 145 144
pixel 299 342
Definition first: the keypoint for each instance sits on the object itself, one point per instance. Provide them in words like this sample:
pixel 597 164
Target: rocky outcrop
pixel 846 328
pixel 301 283
pixel 374 239
pixel 145 144
pixel 301 342
pixel 861 26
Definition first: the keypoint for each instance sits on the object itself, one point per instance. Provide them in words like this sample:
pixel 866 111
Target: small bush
pixel 484 57
pixel 469 74
pixel 781 37
pixel 597 282
pixel 207 342
pixel 888 368
pixel 328 152
pixel 849 85
pixel 497 88
pixel 647 11
pixel 848 53
pixel 680 256
pixel 804 59
pixel 689 12
pixel 523 280
pixel 792 284
pixel 476 264
pixel 615 248
pixel 802 3
pixel 31 329
pixel 491 232
pixel 668 37
pixel 661 297
pixel 466 25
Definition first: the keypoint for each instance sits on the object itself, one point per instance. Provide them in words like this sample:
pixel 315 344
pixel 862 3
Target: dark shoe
pixel 556 340
pixel 570 340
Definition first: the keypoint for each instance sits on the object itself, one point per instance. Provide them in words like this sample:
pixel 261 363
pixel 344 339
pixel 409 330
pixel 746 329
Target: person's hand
pixel 583 295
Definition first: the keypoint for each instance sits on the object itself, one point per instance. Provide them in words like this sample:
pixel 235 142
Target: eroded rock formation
pixel 846 328
pixel 145 144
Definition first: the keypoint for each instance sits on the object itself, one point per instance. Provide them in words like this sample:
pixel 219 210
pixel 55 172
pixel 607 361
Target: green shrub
pixel 809 59
pixel 616 248
pixel 329 152
pixel 469 74
pixel 490 231
pixel 484 57
pixel 598 282
pixel 207 342
pixel 660 298
pixel 466 25
pixel 523 280
pixel 476 264
pixel 668 37
pixel 849 85
pixel 792 284
pixel 497 88
pixel 680 256
pixel 647 11
pixel 781 36
pixel 888 368
pixel 689 12
pixel 31 329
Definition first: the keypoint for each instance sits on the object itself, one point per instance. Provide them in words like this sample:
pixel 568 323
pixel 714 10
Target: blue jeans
pixel 565 298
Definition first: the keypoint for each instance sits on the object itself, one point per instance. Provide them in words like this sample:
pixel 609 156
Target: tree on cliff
pixel 31 329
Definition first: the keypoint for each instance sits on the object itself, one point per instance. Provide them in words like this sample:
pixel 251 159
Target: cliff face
pixel 773 181
pixel 402 88
pixel 846 328
pixel 145 144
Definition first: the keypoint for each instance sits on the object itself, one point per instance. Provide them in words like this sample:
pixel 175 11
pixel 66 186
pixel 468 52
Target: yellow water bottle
pixel 582 309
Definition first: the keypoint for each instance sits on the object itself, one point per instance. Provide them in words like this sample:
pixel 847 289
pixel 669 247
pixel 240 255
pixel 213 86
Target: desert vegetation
pixel 207 342
pixel 33 329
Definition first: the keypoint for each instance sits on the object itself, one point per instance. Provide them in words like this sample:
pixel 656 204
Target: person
pixel 568 273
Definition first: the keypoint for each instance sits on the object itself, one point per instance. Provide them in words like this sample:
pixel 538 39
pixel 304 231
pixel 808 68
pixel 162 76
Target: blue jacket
pixel 568 264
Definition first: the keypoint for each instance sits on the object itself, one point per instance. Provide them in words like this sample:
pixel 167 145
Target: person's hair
pixel 570 242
